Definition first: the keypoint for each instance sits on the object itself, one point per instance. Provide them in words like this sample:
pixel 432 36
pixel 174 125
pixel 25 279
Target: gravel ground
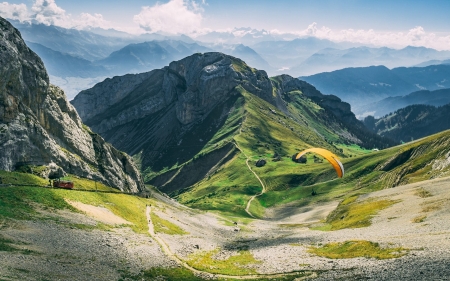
pixel 65 253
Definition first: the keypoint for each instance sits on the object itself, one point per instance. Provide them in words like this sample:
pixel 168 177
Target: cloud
pixel 87 20
pixel 13 11
pixel 48 13
pixel 175 17
pixel 416 36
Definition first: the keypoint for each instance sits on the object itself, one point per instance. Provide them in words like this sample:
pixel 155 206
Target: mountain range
pixel 365 85
pixel 411 122
pixel 391 104
pixel 330 59
pixel 275 54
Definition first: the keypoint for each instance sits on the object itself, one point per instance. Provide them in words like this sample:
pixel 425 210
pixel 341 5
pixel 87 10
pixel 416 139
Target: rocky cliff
pixel 171 115
pixel 39 126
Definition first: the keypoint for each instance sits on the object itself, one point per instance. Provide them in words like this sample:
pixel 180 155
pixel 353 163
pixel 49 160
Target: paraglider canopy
pixel 333 159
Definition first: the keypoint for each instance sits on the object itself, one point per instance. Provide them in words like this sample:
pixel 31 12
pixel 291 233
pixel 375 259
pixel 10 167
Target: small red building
pixel 63 184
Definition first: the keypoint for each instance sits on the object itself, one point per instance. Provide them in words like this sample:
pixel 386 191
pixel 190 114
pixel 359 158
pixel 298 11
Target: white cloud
pixel 416 36
pixel 87 20
pixel 175 17
pixel 13 11
pixel 48 13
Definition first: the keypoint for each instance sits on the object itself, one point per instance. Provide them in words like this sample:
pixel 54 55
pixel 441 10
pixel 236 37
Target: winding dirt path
pixel 165 248
pixel 247 208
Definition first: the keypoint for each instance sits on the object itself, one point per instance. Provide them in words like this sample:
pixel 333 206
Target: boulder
pixel 261 162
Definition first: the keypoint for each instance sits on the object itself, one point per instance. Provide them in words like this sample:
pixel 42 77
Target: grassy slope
pixel 15 199
pixel 264 133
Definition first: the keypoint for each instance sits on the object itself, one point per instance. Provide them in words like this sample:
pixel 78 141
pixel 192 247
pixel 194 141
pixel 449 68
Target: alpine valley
pixel 184 164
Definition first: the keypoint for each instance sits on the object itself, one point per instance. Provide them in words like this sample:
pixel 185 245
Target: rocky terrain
pixel 39 126
pixel 278 243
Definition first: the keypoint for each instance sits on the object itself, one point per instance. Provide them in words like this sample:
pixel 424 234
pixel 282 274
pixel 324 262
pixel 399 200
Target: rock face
pixel 167 119
pixel 39 126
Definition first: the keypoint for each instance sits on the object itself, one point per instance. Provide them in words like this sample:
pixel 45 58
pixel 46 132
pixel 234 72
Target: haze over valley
pixel 218 140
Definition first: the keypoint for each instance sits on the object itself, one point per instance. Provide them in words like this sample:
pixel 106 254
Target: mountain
pixel 78 43
pixel 366 85
pixel 180 122
pixel 65 65
pixel 330 59
pixel 39 126
pixel 285 54
pixel 241 35
pixel 391 104
pixel 412 122
pixel 146 56
pixel 246 53
pixel 433 62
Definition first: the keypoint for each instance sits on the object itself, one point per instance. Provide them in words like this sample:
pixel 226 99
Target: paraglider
pixel 333 159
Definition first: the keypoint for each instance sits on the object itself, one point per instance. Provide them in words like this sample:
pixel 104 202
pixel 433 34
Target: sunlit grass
pixel 352 214
pixel 238 264
pixel 165 226
pixel 15 200
pixel 355 249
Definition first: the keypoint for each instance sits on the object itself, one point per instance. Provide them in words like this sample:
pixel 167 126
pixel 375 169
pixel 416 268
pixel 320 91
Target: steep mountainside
pixel 365 85
pixel 391 104
pixel 39 126
pixel 411 123
pixel 181 121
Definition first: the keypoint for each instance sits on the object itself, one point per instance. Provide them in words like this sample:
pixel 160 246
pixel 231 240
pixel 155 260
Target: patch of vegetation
pixel 355 249
pixel 162 273
pixel 423 193
pixel 431 206
pixel 181 273
pixel 7 245
pixel 354 214
pixel 419 219
pixel 18 178
pixel 239 264
pixel 165 226
pixel 128 207
pixel 15 200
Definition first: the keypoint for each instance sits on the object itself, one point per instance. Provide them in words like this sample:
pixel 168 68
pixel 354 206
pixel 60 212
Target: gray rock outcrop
pixel 39 126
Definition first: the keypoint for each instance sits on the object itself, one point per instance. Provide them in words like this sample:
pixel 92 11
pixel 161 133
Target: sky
pixel 381 23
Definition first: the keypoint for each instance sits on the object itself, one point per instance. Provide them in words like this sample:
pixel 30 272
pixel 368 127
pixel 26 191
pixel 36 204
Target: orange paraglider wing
pixel 333 159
